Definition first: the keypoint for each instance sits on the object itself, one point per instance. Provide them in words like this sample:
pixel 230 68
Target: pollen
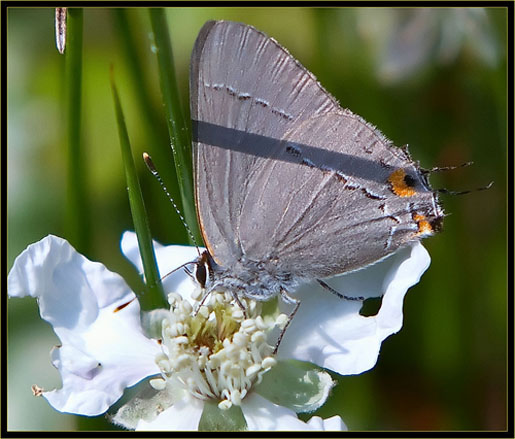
pixel 401 183
pixel 213 350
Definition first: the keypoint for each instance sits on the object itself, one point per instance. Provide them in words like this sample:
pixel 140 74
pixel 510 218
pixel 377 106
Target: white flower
pixel 406 41
pixel 104 348
pixel 259 413
pixel 332 332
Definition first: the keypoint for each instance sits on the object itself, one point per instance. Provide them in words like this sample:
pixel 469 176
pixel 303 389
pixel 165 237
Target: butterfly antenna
pixel 450 168
pixel 446 168
pixel 483 188
pixel 151 167
pixel 178 268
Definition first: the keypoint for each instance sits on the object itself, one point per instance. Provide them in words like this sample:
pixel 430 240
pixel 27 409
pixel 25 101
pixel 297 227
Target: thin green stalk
pixel 155 295
pixel 178 131
pixel 156 131
pixel 77 214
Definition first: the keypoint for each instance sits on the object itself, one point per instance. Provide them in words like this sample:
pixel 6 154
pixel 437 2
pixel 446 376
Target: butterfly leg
pixel 291 300
pixel 235 297
pixel 204 298
pixel 238 302
pixel 340 295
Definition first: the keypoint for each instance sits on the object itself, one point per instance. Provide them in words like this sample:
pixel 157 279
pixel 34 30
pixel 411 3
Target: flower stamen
pixel 216 352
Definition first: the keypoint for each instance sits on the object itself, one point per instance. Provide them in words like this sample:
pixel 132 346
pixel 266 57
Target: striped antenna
pixel 483 188
pixel 151 167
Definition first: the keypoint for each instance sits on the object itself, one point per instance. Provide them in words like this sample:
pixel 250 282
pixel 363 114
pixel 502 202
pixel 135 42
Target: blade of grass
pixel 130 32
pixel 179 133
pixel 78 228
pixel 155 297
pixel 77 219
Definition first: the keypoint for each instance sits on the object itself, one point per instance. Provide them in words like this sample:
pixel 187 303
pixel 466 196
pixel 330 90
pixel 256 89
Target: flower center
pixel 213 350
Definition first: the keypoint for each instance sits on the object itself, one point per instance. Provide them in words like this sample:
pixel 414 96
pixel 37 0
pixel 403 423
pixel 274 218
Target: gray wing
pixel 241 79
pixel 332 210
pixel 283 174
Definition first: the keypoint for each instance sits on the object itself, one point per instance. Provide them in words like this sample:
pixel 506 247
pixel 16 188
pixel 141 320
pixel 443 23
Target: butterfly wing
pixel 230 64
pixel 333 208
pixel 281 170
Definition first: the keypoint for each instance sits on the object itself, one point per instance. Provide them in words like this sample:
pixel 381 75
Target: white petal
pixel 103 347
pixel 334 423
pixel 168 258
pixel 182 416
pixel 263 415
pixel 330 332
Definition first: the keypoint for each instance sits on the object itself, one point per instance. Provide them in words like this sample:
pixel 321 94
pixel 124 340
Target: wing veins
pixel 302 214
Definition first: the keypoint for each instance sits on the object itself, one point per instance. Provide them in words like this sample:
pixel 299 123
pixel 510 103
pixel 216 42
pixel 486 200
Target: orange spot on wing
pixel 398 183
pixel 424 227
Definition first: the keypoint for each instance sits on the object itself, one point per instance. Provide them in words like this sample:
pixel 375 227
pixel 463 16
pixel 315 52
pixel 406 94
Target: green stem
pixel 77 214
pixel 156 130
pixel 155 297
pixel 179 133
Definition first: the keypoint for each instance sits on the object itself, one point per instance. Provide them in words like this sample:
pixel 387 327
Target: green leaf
pixel 155 295
pixel 215 419
pixel 297 385
pixel 131 32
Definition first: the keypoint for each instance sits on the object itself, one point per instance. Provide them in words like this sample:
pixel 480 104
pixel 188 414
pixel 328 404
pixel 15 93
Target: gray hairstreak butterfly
pixel 290 187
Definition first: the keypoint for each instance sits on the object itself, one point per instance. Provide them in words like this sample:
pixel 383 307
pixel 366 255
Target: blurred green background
pixel 431 78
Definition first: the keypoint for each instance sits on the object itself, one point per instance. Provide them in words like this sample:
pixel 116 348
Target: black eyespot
pixel 437 224
pixel 409 180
